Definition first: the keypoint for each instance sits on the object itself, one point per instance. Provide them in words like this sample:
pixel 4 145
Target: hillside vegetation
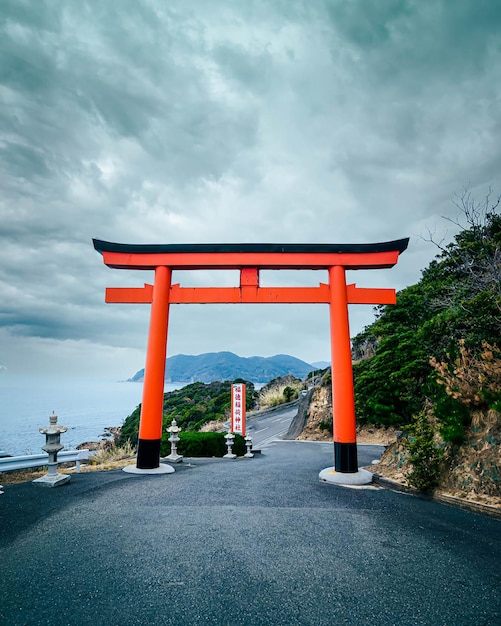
pixel 191 406
pixel 202 407
pixel 431 364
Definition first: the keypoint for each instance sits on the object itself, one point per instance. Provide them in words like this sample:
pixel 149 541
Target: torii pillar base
pixel 161 469
pixel 361 477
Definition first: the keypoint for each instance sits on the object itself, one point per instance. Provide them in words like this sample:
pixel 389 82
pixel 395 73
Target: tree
pixel 289 393
pixel 458 299
pixel 474 257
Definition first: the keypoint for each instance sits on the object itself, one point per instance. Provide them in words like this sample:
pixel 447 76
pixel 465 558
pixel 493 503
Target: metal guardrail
pixel 273 409
pixel 11 463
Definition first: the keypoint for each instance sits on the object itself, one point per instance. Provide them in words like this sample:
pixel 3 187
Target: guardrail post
pixel 52 446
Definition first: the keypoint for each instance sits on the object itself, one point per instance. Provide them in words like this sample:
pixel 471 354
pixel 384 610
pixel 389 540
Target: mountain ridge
pixel 212 366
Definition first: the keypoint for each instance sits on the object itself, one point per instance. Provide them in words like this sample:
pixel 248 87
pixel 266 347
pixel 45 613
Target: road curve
pixel 267 427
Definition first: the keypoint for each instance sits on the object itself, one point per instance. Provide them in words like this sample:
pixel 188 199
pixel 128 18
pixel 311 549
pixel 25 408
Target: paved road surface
pixel 245 542
pixel 268 427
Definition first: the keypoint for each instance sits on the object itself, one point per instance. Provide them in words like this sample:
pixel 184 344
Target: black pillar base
pixel 148 453
pixel 345 457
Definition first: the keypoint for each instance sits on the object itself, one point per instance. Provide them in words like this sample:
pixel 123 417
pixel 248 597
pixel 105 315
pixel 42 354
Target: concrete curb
pixel 476 507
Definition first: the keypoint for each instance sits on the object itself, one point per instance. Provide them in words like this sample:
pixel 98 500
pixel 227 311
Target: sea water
pixel 84 406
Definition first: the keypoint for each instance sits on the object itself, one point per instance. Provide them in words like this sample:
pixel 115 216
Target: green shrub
pixel 326 425
pixel 424 455
pixel 453 417
pixel 289 394
pixel 326 379
pixel 197 444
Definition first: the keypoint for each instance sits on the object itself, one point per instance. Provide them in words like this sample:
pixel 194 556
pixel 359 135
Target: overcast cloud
pixel 215 121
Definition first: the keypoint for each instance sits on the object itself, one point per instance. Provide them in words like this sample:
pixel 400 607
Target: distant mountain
pixel 212 366
pixel 321 365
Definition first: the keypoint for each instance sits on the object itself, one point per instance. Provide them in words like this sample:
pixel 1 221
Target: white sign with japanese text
pixel 238 408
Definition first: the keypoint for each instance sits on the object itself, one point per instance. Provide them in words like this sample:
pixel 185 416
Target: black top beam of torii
pixel 399 245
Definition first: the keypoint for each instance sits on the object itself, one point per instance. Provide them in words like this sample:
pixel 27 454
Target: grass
pixel 275 395
pixel 113 453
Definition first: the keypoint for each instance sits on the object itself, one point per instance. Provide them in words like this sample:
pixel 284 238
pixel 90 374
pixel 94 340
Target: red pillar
pixel 150 425
pixel 343 400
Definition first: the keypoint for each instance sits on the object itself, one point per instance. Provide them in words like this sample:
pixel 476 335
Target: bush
pixel 424 455
pixel 474 379
pixel 326 425
pixel 453 418
pixel 199 444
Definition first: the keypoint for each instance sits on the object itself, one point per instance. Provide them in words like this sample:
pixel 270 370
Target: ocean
pixel 85 406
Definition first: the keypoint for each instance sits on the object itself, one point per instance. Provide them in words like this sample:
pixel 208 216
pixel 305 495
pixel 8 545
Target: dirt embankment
pixel 471 472
pixel 318 422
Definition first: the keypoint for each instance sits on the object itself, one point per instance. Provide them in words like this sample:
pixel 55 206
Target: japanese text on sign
pixel 238 408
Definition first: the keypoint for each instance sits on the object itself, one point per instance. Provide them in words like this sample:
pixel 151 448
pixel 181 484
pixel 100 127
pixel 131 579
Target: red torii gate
pixel 250 259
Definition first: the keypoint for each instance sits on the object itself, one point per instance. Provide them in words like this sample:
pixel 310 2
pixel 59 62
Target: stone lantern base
pixel 52 480
pixel 174 458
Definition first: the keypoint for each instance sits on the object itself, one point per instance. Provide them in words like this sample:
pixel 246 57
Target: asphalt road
pixel 266 428
pixel 250 542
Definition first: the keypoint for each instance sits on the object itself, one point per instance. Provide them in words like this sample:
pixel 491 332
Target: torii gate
pixel 250 259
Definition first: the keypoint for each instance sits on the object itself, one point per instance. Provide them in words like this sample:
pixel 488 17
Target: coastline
pixel 110 437
pixel 87 407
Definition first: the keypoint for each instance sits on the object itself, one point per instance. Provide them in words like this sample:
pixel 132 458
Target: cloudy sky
pixel 194 121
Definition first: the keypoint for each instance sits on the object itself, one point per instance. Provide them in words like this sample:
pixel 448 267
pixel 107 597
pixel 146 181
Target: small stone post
pixel 174 457
pixel 230 437
pixel 52 446
pixel 248 445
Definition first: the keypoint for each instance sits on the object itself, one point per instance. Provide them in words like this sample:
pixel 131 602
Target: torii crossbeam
pixel 250 259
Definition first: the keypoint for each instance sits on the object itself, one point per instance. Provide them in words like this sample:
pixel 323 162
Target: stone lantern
pixel 230 438
pixel 52 446
pixel 174 457
pixel 248 445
